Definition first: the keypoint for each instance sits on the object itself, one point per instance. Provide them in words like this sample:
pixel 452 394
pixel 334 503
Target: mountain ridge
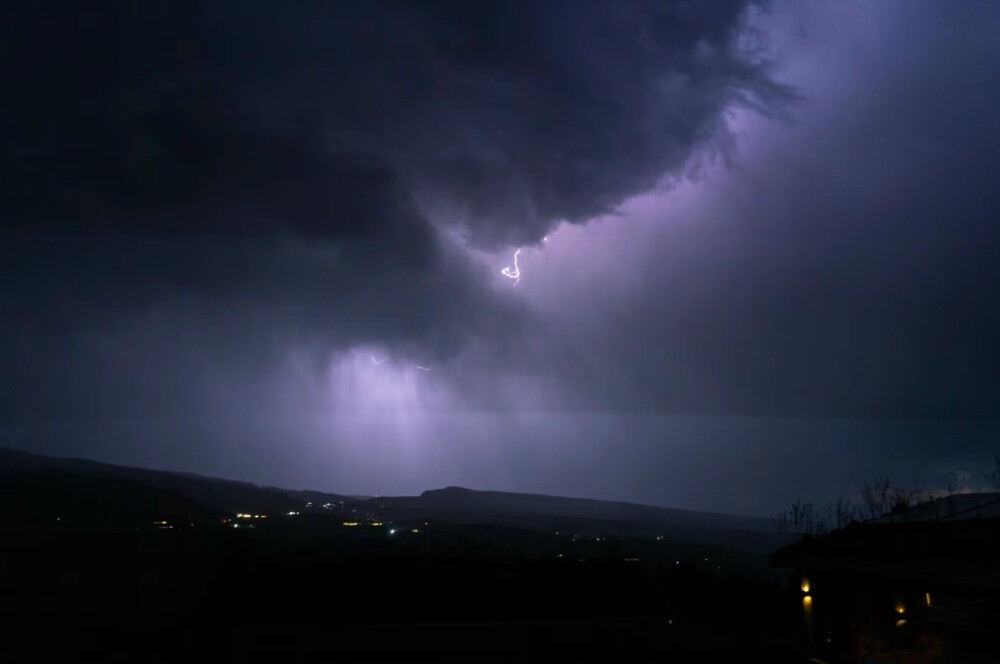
pixel 459 491
pixel 49 484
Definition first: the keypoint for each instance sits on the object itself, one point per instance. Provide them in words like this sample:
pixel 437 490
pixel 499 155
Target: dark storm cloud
pixel 536 112
pixel 196 117
pixel 295 164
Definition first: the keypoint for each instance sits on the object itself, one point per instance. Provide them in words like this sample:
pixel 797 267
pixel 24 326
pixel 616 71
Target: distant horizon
pixel 365 496
pixel 818 503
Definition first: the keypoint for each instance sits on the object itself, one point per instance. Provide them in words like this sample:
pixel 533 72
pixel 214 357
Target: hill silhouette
pixel 587 517
pixel 51 486
pixel 38 489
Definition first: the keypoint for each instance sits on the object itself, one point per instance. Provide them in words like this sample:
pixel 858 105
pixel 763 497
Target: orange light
pixel 807 601
pixel 928 597
pixel 900 608
pixel 805 585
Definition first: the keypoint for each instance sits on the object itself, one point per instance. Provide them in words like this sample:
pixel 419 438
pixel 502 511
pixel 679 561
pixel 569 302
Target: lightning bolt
pixel 423 368
pixel 515 273
pixel 374 361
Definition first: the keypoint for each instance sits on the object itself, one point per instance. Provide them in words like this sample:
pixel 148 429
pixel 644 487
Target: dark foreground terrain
pixel 255 596
pixel 102 563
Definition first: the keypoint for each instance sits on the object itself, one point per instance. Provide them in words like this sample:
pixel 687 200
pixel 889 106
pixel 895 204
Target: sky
pixel 708 255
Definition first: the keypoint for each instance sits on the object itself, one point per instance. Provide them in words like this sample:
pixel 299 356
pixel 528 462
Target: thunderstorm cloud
pixel 220 222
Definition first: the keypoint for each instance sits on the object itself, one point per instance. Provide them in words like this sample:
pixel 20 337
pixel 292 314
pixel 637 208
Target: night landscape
pixel 538 330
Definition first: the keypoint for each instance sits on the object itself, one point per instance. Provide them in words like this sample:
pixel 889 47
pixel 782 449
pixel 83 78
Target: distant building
pixel 916 586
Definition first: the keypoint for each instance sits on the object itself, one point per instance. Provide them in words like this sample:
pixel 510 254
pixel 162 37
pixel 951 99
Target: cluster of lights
pixel 358 523
pixel 899 607
pixel 252 516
